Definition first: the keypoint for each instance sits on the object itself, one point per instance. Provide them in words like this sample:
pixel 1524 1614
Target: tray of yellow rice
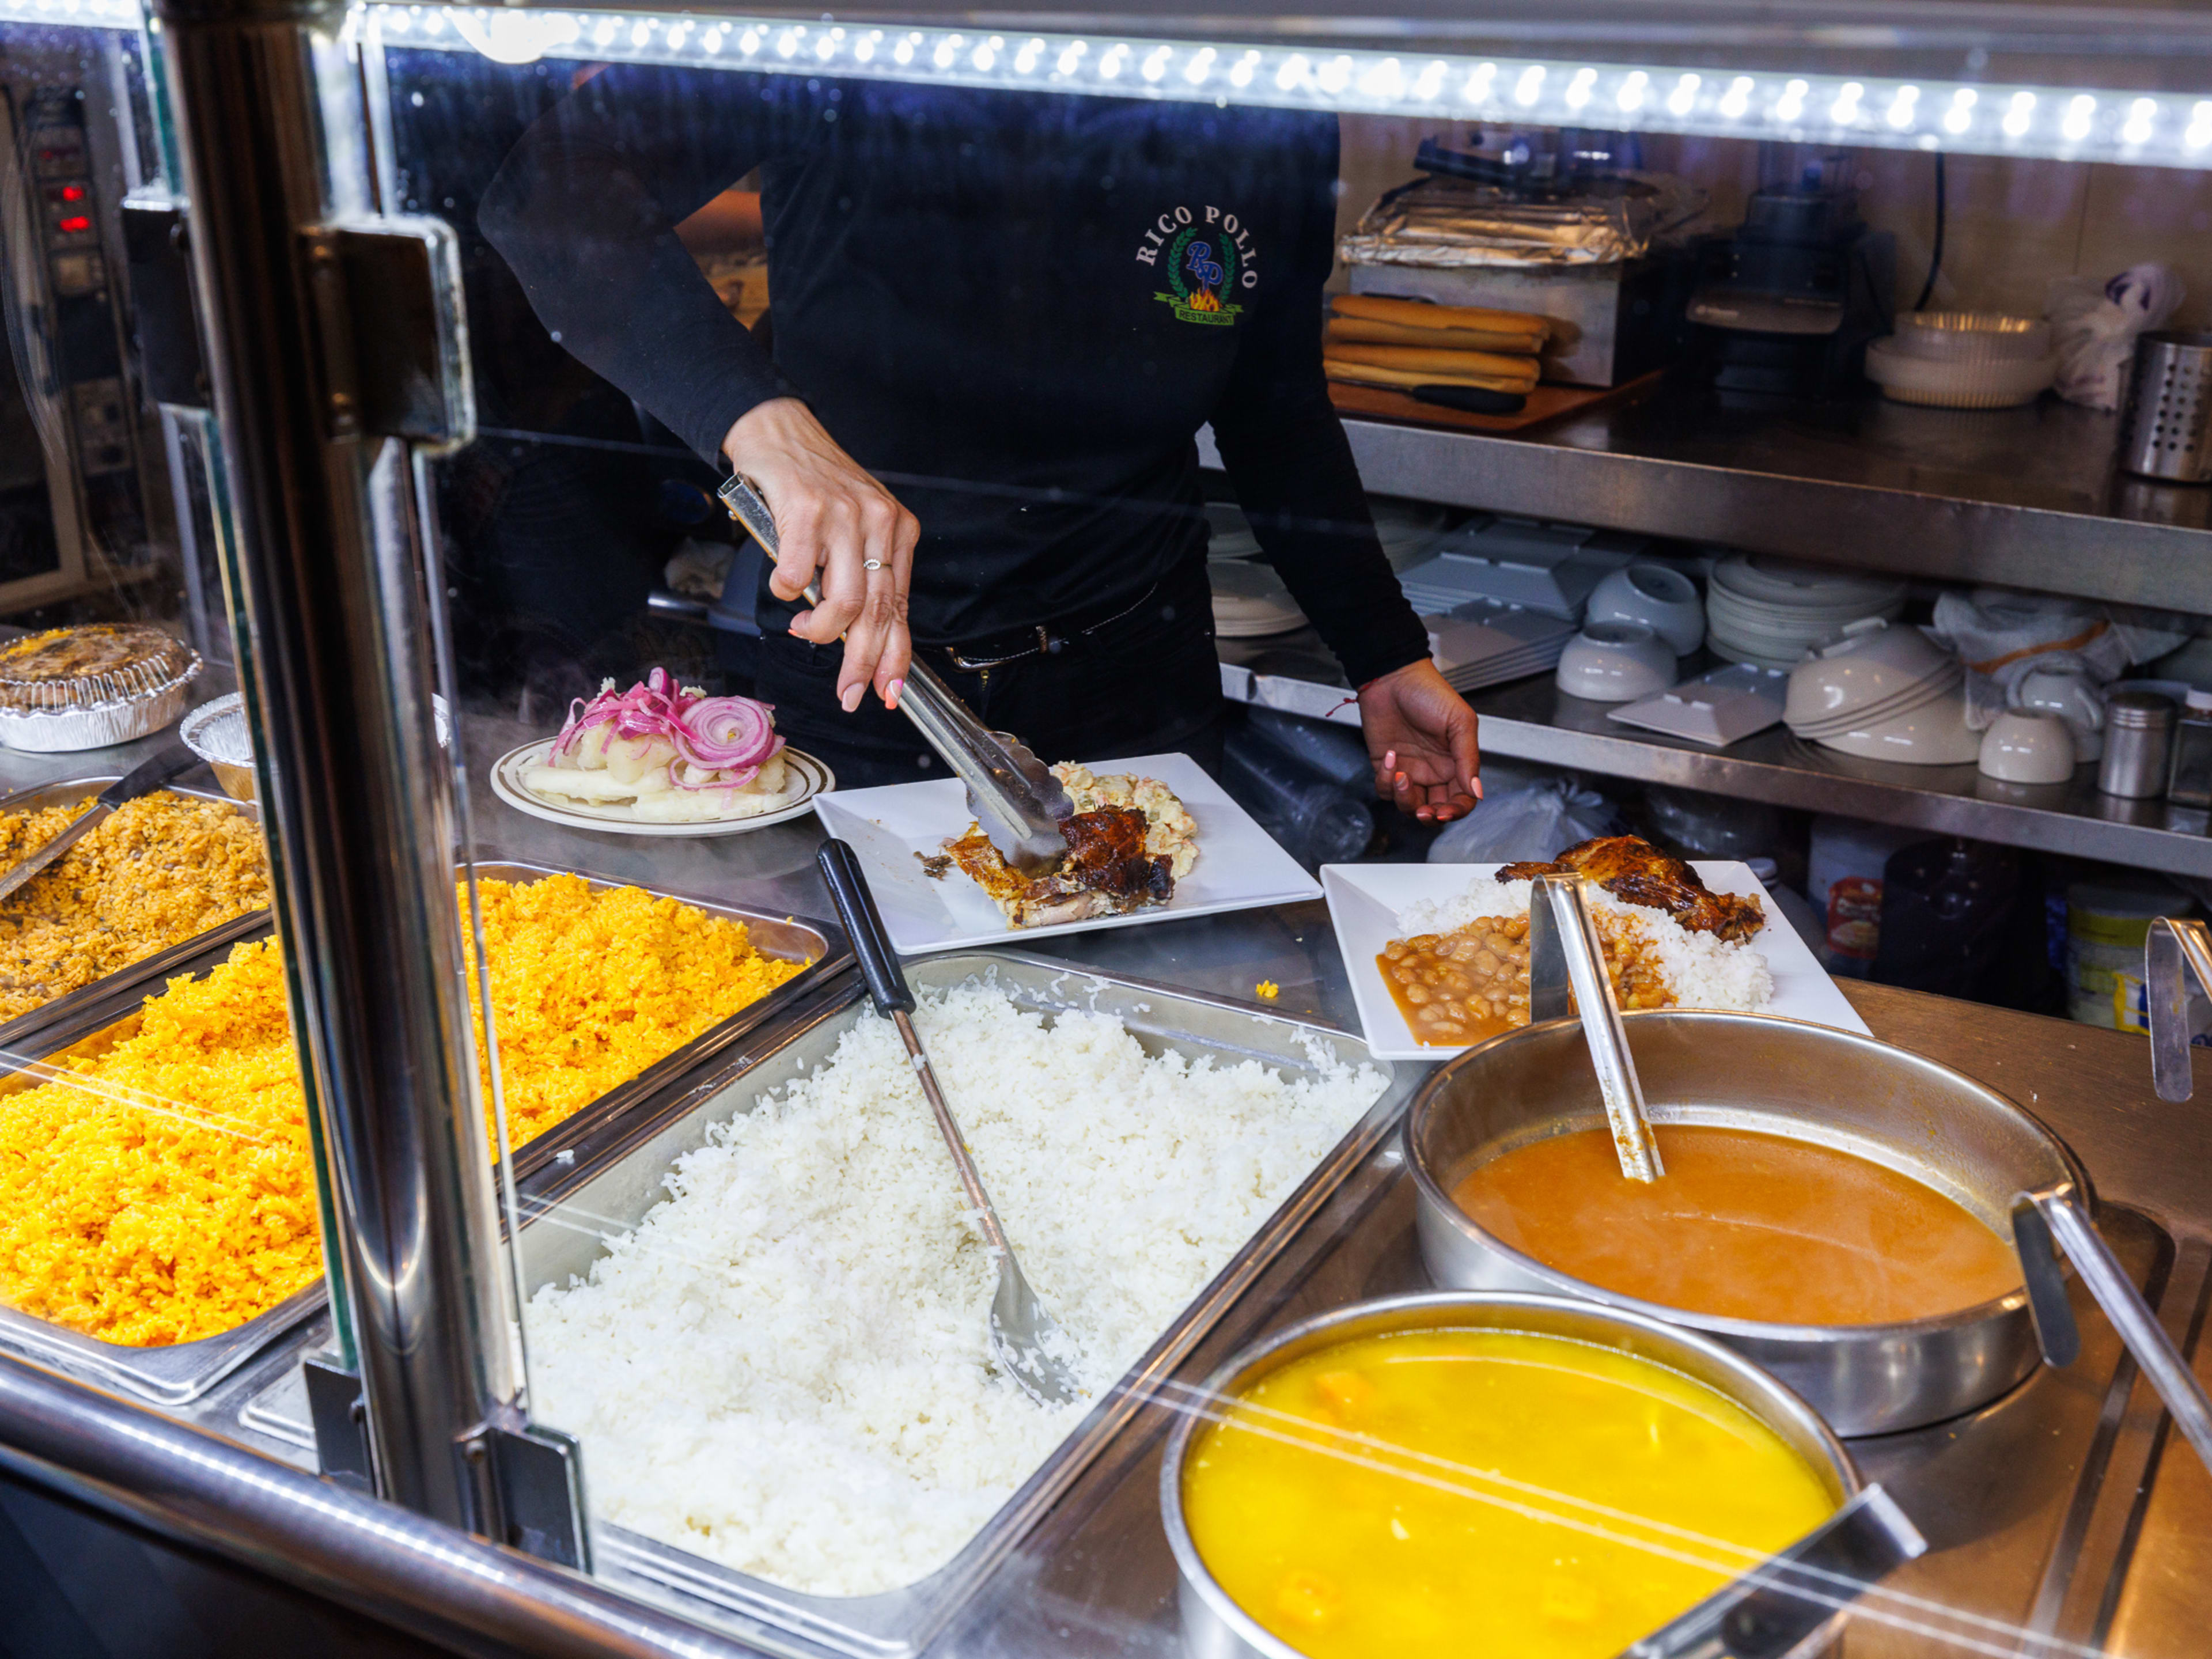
pixel 158 1220
pixel 168 875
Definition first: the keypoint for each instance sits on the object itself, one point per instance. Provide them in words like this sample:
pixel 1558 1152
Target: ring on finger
pixel 872 564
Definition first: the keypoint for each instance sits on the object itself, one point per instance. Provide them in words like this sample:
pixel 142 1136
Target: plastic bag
pixel 1525 825
pixel 2094 328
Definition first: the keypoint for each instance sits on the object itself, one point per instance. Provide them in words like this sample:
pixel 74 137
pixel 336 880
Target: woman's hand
pixel 831 518
pixel 1421 736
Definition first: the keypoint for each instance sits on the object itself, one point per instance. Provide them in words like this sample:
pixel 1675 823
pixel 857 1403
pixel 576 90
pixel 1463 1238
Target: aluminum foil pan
pixel 87 687
pixel 217 732
pixel 1453 224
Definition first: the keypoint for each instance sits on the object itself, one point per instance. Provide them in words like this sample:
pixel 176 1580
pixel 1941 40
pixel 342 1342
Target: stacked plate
pixel 1772 611
pixel 1250 601
pixel 1488 643
pixel 1883 693
pixel 1540 567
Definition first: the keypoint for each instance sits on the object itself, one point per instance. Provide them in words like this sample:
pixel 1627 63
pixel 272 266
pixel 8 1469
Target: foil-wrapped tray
pixel 90 687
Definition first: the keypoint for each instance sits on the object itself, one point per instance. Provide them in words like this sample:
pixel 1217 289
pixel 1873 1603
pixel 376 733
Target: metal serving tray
pixel 617 1177
pixel 182 1372
pixel 787 938
pixel 71 1007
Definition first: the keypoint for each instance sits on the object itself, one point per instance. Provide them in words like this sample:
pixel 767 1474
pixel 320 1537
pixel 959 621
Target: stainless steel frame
pixel 68 1009
pixel 569 1215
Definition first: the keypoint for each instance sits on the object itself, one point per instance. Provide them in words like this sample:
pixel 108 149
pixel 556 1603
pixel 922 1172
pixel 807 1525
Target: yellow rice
pixel 166 1192
pixel 164 868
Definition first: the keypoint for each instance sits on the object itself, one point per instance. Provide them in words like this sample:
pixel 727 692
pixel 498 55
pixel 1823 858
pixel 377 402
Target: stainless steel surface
pixel 1016 799
pixel 74 1006
pixel 1781 1077
pixel 2165 428
pixel 2024 497
pixel 144 779
pixel 2153 1350
pixel 2176 950
pixel 571 1212
pixel 1024 1333
pixel 338 677
pixel 1566 952
pixel 426 1579
pixel 2138 735
pixel 1215 1627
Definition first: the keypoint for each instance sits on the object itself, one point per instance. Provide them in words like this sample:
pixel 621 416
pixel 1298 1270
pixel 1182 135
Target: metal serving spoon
pixel 1564 953
pixel 1021 1328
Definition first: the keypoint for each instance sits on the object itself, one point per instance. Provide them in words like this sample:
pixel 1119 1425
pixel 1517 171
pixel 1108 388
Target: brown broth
pixel 1742 1226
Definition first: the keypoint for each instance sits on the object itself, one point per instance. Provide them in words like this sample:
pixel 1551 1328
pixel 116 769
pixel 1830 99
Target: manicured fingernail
pixel 852 698
pixel 1390 757
pixel 893 692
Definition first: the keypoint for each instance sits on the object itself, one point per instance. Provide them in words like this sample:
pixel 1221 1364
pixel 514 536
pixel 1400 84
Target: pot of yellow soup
pixel 1834 1209
pixel 1451 1474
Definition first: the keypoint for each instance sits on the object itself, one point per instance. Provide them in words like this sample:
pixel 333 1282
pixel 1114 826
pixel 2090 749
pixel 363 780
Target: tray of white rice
pixel 1373 906
pixel 764 1313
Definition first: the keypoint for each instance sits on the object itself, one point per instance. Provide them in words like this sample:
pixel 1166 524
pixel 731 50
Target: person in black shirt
pixel 998 321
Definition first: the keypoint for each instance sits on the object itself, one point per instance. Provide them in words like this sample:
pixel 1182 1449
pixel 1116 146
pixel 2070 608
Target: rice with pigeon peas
pixel 784 1367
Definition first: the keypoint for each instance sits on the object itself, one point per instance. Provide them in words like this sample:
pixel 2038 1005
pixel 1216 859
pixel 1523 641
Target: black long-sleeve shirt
pixel 1017 310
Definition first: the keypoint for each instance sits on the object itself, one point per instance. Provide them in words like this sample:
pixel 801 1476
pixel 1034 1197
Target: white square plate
pixel 1364 899
pixel 892 829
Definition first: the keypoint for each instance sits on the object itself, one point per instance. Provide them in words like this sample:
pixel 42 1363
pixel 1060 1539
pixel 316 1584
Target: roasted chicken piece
pixel 1635 872
pixel 1107 870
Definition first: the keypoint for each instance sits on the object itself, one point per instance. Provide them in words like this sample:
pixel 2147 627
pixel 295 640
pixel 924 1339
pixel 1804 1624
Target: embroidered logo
pixel 1206 257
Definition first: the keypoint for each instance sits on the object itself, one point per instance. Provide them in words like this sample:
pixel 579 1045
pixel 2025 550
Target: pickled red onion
pixel 726 739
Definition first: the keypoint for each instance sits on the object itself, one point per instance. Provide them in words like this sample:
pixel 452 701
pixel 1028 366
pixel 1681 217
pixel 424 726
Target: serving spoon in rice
pixel 1025 1338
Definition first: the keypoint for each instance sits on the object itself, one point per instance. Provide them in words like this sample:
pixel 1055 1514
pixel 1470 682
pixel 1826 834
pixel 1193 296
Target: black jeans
pixel 1143 683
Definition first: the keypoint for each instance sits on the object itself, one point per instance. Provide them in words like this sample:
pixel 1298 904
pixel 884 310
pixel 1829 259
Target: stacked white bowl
pixel 1883 692
pixel 1772 611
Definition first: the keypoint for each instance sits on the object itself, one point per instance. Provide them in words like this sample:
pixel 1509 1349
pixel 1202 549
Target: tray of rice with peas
pixel 157 1208
pixel 167 875
pixel 765 1315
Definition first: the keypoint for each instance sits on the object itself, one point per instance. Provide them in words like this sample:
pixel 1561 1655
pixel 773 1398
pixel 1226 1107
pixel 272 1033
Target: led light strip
pixel 2167 131
pixel 1991 120
pixel 72 14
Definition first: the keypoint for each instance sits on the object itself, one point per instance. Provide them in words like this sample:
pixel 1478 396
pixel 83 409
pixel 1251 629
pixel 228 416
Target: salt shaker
pixel 2189 782
pixel 2138 735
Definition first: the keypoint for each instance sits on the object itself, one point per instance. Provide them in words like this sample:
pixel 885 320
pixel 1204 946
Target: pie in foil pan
pixel 89 687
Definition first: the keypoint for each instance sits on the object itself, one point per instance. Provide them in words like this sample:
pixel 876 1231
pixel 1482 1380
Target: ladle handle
pixel 2059 1209
pixel 1769 1610
pixel 1564 951
pixel 2174 949
pixel 864 925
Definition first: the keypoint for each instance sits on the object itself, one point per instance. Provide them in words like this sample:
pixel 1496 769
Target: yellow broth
pixel 1483 1491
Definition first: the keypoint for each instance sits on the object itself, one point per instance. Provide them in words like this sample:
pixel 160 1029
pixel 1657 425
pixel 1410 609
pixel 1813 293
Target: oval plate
pixel 507 784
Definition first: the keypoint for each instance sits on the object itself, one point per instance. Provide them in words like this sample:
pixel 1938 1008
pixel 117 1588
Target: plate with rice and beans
pixel 1438 953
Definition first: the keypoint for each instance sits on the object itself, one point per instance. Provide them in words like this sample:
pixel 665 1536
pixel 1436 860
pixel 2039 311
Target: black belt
pixel 1041 640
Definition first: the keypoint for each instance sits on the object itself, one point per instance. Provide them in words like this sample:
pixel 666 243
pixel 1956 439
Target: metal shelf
pixel 1533 719
pixel 2021 497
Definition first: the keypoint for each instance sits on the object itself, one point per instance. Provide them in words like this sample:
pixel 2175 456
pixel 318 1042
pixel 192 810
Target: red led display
pixel 73 192
pixel 74 223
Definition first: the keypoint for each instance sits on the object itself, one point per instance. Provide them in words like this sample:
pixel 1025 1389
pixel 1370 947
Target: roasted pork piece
pixel 1107 872
pixel 1635 872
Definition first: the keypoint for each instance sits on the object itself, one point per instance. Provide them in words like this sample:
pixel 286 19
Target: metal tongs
pixel 1566 955
pixel 2056 1217
pixel 1013 793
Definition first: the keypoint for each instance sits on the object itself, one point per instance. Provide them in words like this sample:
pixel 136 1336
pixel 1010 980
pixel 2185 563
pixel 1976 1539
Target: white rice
pixel 784 1367
pixel 1703 971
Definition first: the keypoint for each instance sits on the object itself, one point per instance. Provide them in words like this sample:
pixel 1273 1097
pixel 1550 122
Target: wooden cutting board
pixel 1546 403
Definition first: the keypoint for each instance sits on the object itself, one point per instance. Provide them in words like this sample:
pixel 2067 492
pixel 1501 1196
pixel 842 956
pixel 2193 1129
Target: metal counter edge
pixel 428 1579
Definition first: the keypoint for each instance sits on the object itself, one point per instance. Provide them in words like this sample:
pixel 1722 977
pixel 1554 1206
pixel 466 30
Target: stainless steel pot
pixel 1779 1076
pixel 1215 1627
